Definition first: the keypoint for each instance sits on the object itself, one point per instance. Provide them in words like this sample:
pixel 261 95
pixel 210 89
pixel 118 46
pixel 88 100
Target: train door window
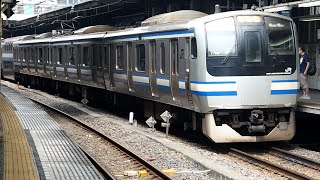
pixel 54 55
pixel 60 55
pixel 119 57
pixel 140 58
pixel 174 56
pixel 40 55
pixel 95 56
pixel 72 59
pixel 162 58
pixel 24 54
pixel 86 56
pixel 36 55
pixel 194 52
pixel 102 53
pixel 98 56
pixel 45 56
pixel 48 55
pixel 14 54
pixel 32 55
pixel 253 46
pixel 153 56
pixel 107 62
pixel 18 54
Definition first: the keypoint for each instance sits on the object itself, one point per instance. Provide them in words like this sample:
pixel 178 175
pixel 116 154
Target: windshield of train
pixel 250 45
pixel 280 36
pixel 221 37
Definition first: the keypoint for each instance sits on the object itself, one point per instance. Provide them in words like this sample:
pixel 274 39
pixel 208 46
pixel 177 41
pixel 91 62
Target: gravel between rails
pixel 187 158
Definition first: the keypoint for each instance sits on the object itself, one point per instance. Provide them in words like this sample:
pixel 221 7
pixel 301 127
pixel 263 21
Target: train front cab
pixel 251 62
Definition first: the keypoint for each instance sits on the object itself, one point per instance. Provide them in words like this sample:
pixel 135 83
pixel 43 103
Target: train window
pixel 48 55
pixel 72 59
pixel 16 49
pixel 45 52
pixel 60 55
pixel 174 56
pixel 24 54
pixel 140 57
pixel 53 55
pixel 253 46
pixel 221 37
pixel 153 56
pixel 162 58
pixel 105 63
pixel 86 56
pixel 98 56
pixel 119 57
pixel 280 36
pixel 14 54
pixel 40 55
pixel 194 52
pixel 32 54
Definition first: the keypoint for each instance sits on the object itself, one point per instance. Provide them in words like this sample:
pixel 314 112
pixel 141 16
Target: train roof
pixel 159 23
pixel 95 29
pixel 18 38
pixel 182 16
pixel 237 13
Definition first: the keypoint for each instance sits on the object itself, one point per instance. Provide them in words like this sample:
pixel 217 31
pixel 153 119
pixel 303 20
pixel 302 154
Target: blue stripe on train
pixel 169 33
pixel 216 93
pixel 282 81
pixel 281 92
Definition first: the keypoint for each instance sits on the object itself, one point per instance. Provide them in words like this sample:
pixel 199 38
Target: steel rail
pixel 113 142
pixel 311 163
pixel 285 171
pixel 103 171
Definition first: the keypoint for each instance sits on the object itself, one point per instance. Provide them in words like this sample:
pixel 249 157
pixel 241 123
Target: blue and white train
pixel 234 75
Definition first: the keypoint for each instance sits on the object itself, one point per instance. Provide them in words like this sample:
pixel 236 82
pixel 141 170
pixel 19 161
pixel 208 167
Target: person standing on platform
pixel 304 67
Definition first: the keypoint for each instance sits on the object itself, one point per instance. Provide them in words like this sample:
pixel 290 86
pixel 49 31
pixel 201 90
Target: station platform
pixel 34 146
pixel 311 105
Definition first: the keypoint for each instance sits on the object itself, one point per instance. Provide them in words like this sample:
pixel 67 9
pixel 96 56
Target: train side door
pixel 174 69
pixel 186 46
pixel 152 69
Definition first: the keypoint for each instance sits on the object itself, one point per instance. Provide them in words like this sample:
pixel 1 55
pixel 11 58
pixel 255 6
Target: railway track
pixel 281 162
pixel 122 158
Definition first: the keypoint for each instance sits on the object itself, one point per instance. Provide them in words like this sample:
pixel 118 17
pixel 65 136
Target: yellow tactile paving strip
pixel 18 161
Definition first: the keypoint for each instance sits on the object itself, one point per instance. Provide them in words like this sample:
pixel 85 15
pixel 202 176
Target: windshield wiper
pixel 278 55
pixel 228 55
